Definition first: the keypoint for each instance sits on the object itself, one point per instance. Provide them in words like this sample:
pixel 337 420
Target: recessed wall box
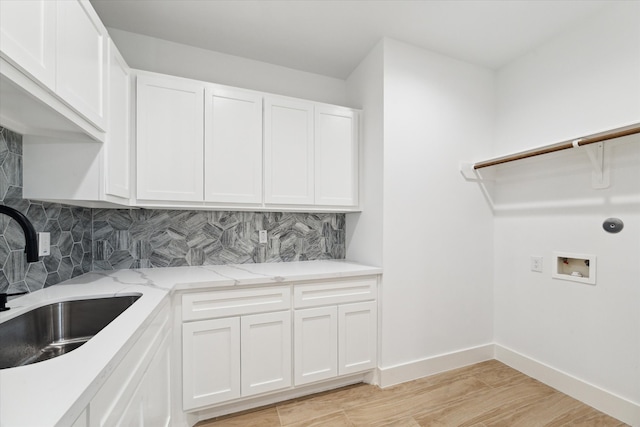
pixel 575 267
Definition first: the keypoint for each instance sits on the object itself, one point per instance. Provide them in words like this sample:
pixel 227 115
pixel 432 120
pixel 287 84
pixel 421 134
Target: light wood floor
pixel 482 395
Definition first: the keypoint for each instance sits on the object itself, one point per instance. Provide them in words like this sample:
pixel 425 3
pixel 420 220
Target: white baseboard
pixel 607 402
pixel 433 365
pixel 604 401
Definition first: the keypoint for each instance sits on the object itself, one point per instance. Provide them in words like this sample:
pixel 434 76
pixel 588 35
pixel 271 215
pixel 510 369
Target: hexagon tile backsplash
pixel 84 240
pixel 69 227
pixel 167 238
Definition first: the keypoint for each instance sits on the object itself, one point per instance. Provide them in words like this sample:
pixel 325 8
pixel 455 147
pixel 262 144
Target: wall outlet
pixel 536 264
pixel 44 244
pixel 262 236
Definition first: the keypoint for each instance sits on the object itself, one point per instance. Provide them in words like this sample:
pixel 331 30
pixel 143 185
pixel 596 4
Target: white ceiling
pixel 330 37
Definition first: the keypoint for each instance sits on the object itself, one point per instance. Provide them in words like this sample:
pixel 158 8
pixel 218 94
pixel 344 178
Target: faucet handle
pixel 3 299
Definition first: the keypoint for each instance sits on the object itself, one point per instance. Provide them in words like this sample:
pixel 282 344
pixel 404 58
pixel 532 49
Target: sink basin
pixel 55 329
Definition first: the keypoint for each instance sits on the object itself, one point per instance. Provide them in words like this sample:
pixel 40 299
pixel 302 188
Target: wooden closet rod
pixel 565 145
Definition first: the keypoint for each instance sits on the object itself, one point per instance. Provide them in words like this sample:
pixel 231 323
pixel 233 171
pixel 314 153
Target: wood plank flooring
pixel 483 395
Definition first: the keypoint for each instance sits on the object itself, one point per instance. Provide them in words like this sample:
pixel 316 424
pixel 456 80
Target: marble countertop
pixel 60 388
pixel 217 276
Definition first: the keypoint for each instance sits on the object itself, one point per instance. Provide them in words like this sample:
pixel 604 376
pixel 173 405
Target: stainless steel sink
pixel 55 329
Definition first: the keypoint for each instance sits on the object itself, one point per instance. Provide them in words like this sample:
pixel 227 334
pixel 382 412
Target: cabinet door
pixel 156 389
pixel 316 344
pixel 27 37
pixel 266 352
pixel 336 156
pixel 133 414
pixel 170 137
pixel 233 146
pixel 82 420
pixel 288 144
pixel 357 343
pixel 211 362
pixel 117 178
pixel 81 60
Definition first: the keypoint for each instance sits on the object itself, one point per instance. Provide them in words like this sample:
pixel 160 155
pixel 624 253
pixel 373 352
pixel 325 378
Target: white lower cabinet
pixel 357 337
pixel 224 359
pixel 316 344
pixel 150 405
pixel 335 340
pixel 82 420
pixel 265 352
pixel 235 343
pixel 246 342
pixel 138 392
pixel 211 362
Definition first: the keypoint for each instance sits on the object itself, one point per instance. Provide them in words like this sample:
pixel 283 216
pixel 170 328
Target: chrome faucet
pixel 30 239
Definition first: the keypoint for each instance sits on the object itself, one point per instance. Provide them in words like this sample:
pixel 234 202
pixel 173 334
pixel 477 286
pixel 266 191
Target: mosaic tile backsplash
pixel 69 228
pixel 84 240
pixel 166 238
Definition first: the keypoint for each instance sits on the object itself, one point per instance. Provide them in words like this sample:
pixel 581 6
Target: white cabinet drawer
pixel 338 292
pixel 207 305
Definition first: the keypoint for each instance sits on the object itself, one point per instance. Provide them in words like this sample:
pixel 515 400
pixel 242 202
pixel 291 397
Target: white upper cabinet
pixel 81 59
pixel 27 37
pixel 94 174
pixel 201 145
pixel 336 156
pixel 311 154
pixel 118 145
pixel 288 145
pixel 170 134
pixel 233 146
pixel 53 59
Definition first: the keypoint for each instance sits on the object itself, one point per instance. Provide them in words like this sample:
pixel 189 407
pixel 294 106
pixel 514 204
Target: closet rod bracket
pixel 600 175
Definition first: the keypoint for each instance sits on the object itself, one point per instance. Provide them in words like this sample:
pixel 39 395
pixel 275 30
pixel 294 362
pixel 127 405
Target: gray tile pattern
pixel 70 229
pixel 168 238
pixel 84 240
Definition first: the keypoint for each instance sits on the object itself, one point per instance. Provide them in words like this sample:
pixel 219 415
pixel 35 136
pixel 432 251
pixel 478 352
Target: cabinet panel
pixel 288 143
pixel 156 388
pixel 315 341
pixel 357 336
pixel 125 384
pixel 81 59
pixel 151 404
pixel 266 352
pixel 133 414
pixel 27 37
pixel 207 305
pixel 336 156
pixel 170 121
pixel 118 145
pixel 233 146
pixel 211 361
pixel 338 292
pixel 82 420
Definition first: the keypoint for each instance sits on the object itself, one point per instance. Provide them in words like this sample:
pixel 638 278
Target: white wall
pixel 438 234
pixel 364 229
pixel 161 56
pixel 585 81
